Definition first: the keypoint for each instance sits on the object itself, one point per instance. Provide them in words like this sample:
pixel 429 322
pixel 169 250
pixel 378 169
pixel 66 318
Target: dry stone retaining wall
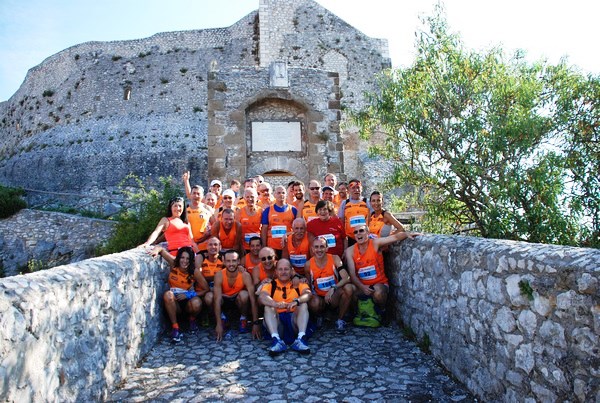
pixel 515 322
pixel 72 333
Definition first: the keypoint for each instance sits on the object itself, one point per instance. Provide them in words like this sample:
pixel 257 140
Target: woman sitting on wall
pixel 182 295
pixel 176 229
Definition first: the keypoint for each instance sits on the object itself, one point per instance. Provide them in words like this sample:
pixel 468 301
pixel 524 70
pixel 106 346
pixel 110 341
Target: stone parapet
pixel 513 321
pixel 72 333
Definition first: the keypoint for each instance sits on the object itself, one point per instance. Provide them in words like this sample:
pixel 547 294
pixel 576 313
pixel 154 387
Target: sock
pixel 176 326
pixel 275 335
pixel 301 334
pixel 242 317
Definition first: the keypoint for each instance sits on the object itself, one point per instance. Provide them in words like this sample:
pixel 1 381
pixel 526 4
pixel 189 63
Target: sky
pixel 32 30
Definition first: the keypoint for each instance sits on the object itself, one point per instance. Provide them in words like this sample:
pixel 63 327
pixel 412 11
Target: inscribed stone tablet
pixel 276 136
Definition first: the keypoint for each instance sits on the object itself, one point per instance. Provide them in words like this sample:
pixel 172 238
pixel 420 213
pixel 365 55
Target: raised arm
pixel 186 183
pixel 389 219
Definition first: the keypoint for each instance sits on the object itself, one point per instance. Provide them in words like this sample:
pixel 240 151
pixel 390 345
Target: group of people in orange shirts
pixel 290 254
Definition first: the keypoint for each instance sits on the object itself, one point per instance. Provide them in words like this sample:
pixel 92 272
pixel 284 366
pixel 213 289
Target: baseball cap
pixel 216 182
pixel 327 188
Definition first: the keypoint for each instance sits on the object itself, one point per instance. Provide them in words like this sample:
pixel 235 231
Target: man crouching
pixel 286 308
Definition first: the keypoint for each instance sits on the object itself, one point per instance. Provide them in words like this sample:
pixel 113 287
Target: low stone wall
pixel 515 322
pixel 49 238
pixel 72 333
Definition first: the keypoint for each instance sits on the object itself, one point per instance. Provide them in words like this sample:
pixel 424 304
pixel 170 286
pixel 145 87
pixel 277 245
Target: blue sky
pixel 32 30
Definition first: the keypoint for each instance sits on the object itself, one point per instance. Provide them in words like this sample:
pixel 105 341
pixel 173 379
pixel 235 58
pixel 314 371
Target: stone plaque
pixel 276 136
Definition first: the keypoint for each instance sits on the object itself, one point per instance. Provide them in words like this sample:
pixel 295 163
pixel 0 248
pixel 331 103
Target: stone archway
pixel 280 164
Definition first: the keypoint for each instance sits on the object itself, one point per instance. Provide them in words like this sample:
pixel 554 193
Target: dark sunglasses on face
pixel 314 188
pixel 265 258
pixel 359 231
pixel 227 197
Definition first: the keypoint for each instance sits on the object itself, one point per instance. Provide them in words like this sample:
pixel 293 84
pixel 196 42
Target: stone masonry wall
pixel 72 333
pixel 505 342
pixel 49 237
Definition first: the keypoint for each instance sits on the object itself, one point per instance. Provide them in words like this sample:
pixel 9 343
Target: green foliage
pixel 32 266
pixel 425 344
pixel 526 289
pixel 138 222
pixel 491 141
pixel 10 201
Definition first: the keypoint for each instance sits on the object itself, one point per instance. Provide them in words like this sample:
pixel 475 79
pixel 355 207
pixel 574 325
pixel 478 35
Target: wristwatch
pixel 297 301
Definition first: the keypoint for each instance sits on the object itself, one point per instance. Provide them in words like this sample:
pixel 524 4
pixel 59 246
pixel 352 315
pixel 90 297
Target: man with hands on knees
pixel 286 310
pixel 233 286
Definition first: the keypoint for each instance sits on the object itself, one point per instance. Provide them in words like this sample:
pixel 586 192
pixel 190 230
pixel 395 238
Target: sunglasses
pixel 315 188
pixel 227 197
pixel 265 258
pixel 284 291
pixel 359 231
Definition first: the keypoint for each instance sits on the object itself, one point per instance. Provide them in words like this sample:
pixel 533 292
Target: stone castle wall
pixel 49 238
pixel 72 332
pixel 503 342
pixel 98 111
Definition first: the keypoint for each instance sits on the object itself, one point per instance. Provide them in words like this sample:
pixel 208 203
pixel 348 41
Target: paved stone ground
pixel 362 365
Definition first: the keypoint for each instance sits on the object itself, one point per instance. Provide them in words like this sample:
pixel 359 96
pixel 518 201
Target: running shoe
pixel 301 346
pixel 340 326
pixel 176 336
pixel 243 326
pixel 277 347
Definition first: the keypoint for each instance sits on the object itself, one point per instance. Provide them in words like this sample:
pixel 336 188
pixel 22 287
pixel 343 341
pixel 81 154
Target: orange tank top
pixel 323 278
pixel 376 224
pixel 298 254
pixel 227 238
pixel 369 266
pixel 250 225
pixel 180 279
pixel 248 264
pixel 177 237
pixel 279 225
pixel 210 268
pixel 309 211
pixel 355 214
pixel 230 290
pixel 262 273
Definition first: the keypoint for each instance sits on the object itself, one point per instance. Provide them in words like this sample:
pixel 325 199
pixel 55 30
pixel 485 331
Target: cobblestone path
pixel 362 365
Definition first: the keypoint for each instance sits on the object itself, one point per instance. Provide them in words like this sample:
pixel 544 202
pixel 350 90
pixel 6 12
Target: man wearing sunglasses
pixel 286 311
pixel 354 211
pixel 365 265
pixel 309 210
pixel 265 271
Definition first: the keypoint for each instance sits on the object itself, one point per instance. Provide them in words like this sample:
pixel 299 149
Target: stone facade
pixel 73 332
pixel 49 238
pixel 98 111
pixel 515 322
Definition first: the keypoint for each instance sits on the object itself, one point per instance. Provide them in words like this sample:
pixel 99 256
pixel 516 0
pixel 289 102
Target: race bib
pixel 250 235
pixel 367 273
pixel 278 231
pixel 298 260
pixel 325 283
pixel 357 220
pixel 330 238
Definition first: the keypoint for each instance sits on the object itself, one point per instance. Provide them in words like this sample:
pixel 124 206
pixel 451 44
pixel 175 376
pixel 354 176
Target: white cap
pixel 216 182
pixel 229 192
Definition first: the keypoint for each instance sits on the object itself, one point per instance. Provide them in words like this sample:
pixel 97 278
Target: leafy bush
pixel 138 222
pixel 10 201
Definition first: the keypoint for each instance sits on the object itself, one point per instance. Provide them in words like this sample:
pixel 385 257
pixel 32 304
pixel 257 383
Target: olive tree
pixel 483 137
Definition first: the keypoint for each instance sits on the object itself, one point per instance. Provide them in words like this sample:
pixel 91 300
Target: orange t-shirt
pixel 250 225
pixel 180 279
pixel 210 268
pixel 288 291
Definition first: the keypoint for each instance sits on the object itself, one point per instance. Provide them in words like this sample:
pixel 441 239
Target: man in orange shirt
pixel 309 208
pixel 234 287
pixel 297 247
pixel 286 306
pixel 365 265
pixel 229 231
pixel 277 220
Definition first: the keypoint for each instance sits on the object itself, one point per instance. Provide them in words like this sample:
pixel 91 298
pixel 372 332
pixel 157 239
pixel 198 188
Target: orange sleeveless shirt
pixel 369 266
